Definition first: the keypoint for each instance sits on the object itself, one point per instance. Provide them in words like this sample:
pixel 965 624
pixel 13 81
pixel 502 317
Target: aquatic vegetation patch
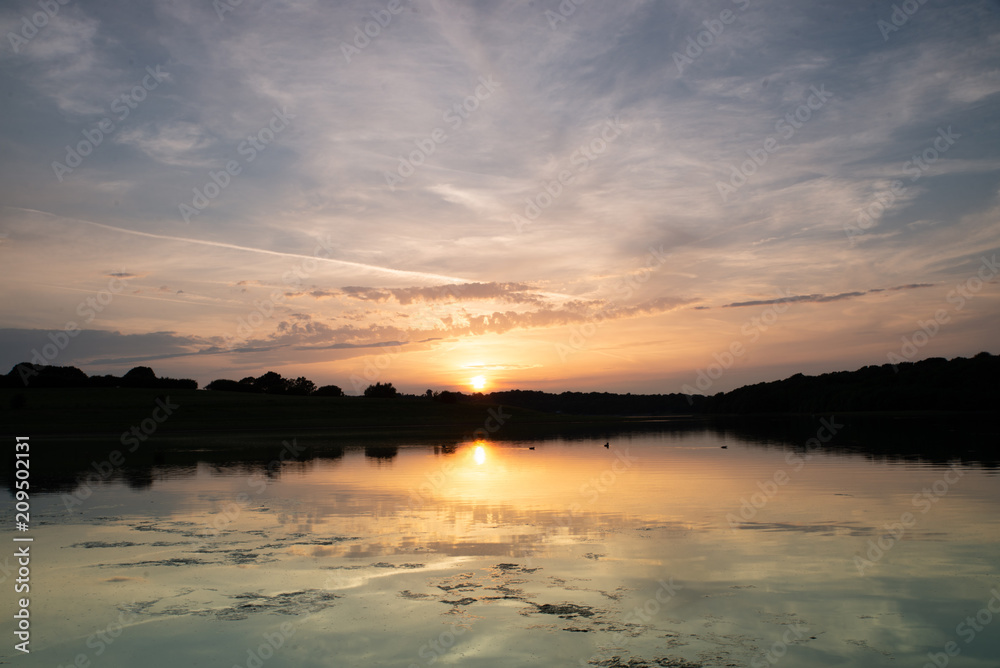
pixel 241 557
pixel 634 662
pixel 615 595
pixel 176 561
pixel 413 596
pixel 461 586
pixel 514 568
pixel 288 603
pixel 565 610
pixel 332 540
pixel 461 601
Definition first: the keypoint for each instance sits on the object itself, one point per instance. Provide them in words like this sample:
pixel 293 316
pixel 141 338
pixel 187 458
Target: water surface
pixel 695 548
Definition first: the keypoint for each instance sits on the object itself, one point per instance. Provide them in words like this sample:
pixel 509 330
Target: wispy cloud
pixel 516 293
pixel 822 299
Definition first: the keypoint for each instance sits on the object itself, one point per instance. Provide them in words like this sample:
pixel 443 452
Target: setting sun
pixel 478 382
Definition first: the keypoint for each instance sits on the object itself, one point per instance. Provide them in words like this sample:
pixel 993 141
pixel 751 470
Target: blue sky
pixel 555 196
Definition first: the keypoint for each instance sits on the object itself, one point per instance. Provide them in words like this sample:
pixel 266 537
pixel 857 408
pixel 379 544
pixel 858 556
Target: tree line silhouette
pixel 28 375
pixel 960 384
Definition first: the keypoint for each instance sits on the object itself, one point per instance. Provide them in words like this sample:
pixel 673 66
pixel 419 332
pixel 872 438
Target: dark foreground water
pixel 692 548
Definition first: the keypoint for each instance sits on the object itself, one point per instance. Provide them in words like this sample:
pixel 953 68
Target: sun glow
pixel 479 455
pixel 478 382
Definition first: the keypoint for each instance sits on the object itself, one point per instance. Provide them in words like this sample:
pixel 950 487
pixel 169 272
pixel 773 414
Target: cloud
pixel 178 144
pixel 515 293
pixel 911 286
pixel 356 346
pixel 96 347
pixel 65 63
pixel 821 299
pixel 795 298
pixel 313 335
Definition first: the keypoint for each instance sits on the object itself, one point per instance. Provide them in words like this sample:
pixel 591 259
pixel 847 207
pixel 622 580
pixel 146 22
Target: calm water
pixel 664 547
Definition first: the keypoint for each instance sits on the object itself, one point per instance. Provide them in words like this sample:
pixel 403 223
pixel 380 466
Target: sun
pixel 478 382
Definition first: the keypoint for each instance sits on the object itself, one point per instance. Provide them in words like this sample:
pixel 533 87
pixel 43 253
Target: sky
pixel 637 196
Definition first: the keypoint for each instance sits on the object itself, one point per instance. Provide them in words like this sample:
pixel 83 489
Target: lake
pixel 671 546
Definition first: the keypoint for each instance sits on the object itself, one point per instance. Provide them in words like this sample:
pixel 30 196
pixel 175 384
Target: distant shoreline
pixel 108 413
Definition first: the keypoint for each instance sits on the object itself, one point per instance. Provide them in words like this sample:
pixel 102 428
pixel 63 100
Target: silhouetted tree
pixel 268 383
pixel 272 383
pixel 448 397
pixel 329 391
pixel 144 377
pixel 301 386
pixel 381 391
pixel 226 385
pixel 140 376
pixel 27 374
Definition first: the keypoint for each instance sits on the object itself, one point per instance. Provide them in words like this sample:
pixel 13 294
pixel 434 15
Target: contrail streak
pixel 248 249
